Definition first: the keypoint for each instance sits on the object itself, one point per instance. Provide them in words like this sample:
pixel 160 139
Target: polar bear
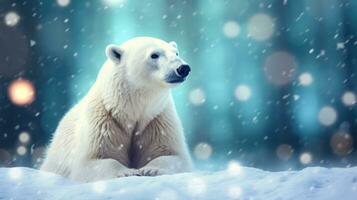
pixel 127 123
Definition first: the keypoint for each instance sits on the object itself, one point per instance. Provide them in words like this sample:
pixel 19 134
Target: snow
pixel 249 183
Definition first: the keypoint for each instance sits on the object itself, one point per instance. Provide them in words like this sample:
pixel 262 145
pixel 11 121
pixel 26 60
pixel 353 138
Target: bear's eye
pixel 176 53
pixel 154 56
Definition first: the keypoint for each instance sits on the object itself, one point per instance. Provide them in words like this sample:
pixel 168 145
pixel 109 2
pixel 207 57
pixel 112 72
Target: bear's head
pixel 149 62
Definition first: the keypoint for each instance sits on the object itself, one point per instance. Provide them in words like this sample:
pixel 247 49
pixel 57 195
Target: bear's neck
pixel 130 105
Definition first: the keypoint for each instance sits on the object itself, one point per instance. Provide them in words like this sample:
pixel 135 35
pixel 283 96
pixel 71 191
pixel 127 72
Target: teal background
pixel 69 52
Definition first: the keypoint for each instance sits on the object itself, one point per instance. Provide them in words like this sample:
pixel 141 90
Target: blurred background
pixel 273 82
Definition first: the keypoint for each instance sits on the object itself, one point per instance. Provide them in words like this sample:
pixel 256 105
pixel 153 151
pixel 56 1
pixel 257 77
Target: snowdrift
pixel 238 183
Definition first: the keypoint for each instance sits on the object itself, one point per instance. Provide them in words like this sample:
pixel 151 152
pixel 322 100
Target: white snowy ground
pixel 235 183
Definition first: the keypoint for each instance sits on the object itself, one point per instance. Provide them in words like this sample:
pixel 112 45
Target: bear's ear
pixel 114 53
pixel 173 44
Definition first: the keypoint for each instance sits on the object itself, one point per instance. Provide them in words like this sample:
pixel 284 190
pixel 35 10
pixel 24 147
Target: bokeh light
pixel 203 151
pixel 260 27
pixel 24 137
pixel 284 152
pixel 231 29
pixel 349 98
pixel 242 93
pixel 280 68
pixel 341 143
pixel 11 18
pixel 305 79
pixel 327 116
pixel 197 96
pixel 63 3
pixel 21 150
pixel 21 92
pixel 306 158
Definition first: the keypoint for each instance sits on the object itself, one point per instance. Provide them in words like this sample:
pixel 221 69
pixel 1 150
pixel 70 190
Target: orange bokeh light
pixel 21 92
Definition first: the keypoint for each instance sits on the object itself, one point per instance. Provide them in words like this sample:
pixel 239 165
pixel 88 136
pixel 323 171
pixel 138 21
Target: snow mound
pixel 244 183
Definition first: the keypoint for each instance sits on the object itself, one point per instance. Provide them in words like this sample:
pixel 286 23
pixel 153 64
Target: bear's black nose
pixel 183 70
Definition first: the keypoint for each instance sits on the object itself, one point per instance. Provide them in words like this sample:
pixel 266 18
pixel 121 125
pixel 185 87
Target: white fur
pixel 127 123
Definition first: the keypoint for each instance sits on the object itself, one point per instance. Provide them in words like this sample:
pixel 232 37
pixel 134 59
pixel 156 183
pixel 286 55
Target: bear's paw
pixel 128 172
pixel 152 171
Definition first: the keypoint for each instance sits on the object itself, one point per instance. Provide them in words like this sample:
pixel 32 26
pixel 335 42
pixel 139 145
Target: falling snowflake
pixel 32 43
pixel 340 45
